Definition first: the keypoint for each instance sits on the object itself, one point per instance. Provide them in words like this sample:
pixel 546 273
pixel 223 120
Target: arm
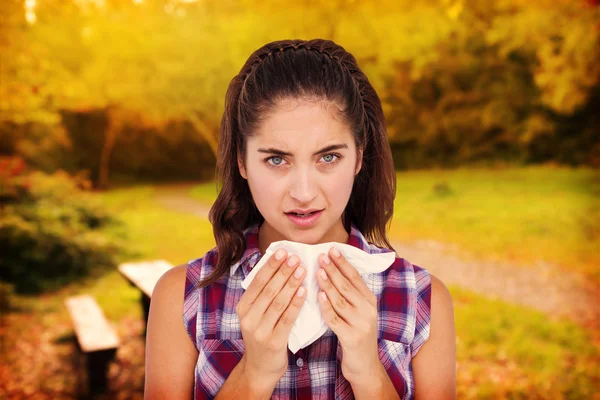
pixel 267 312
pixel 170 354
pixel 379 386
pixel 350 310
pixel 434 366
pixel 240 386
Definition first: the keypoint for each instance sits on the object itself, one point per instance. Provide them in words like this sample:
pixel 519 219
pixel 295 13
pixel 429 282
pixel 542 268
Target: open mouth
pixel 303 215
pixel 304 220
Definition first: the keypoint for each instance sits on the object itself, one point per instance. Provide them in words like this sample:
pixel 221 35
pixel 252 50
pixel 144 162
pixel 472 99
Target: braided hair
pixel 315 69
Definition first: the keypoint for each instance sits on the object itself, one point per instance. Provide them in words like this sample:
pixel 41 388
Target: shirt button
pixel 300 363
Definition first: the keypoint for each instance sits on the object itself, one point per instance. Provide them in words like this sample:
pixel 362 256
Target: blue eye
pixel 276 160
pixel 330 158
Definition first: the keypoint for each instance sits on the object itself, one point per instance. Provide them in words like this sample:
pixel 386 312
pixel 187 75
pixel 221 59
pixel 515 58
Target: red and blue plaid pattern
pixel 404 301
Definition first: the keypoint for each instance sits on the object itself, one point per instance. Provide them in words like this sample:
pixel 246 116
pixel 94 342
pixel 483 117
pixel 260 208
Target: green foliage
pixel 512 81
pixel 33 139
pixel 467 106
pixel 562 37
pixel 461 80
pixel 38 67
pixel 51 231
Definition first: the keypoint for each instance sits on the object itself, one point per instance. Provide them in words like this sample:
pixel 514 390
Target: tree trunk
pixel 112 130
pixel 205 131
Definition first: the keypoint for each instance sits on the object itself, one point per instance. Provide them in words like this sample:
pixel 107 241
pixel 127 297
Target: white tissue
pixel 310 324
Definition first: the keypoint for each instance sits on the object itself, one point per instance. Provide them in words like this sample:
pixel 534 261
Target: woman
pixel 303 156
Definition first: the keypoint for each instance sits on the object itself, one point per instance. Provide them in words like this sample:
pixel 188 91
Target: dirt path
pixel 542 286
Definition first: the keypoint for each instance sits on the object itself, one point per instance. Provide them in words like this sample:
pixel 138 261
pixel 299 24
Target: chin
pixel 312 235
pixel 307 239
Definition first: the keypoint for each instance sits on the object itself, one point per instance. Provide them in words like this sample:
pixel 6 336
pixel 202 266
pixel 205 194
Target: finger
pixel 272 289
pixel 342 307
pixel 331 318
pixel 352 275
pixel 260 281
pixel 334 277
pixel 282 300
pixel 285 323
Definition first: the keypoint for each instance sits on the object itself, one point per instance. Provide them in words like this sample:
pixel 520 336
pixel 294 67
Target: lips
pixel 300 212
pixel 304 218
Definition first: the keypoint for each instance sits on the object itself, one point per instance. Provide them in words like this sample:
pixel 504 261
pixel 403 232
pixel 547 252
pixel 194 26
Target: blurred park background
pixel 109 118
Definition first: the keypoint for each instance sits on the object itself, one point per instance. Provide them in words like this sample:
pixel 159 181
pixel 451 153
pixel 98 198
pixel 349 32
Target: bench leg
pixel 97 369
pixel 145 300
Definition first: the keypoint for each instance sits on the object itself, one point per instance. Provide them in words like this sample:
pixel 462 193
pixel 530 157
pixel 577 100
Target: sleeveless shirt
pixel 403 294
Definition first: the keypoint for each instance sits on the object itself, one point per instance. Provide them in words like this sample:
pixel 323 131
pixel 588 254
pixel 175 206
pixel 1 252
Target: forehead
pixel 302 124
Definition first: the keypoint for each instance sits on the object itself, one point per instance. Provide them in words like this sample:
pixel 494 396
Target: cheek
pixel 339 188
pixel 264 191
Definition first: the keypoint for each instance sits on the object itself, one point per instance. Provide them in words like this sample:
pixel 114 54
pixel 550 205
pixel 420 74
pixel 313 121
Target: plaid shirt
pixel 404 299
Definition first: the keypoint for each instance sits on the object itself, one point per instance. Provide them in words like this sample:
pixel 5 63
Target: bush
pixel 6 296
pixel 51 230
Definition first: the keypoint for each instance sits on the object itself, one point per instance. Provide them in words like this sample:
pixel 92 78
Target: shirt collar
pixel 252 253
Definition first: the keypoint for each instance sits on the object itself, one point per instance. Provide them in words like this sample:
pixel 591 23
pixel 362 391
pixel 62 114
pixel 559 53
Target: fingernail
pixel 300 291
pixel 323 296
pixel 299 272
pixel 326 259
pixel 323 274
pixel 279 254
pixel 336 252
pixel 292 261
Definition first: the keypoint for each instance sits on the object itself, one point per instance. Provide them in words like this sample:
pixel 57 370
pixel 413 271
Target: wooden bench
pixel 144 276
pixel 96 338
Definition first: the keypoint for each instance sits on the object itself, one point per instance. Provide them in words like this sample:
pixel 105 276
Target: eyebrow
pixel 278 152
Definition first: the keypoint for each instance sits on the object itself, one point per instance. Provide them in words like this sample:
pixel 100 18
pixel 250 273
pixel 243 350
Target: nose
pixel 303 187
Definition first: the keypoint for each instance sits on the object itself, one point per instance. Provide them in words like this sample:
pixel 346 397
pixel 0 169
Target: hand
pixel 349 308
pixel 267 312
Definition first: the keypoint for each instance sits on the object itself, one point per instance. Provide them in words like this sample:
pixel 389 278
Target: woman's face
pixel 302 159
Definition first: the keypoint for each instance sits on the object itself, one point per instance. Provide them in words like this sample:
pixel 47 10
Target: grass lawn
pixel 506 351
pixel 503 350
pixel 156 232
pixel 524 215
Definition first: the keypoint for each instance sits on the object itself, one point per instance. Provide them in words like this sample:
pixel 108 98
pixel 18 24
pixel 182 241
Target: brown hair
pixel 296 69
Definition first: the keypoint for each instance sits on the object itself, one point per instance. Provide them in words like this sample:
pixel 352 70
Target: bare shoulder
pixel 167 299
pixel 441 299
pixel 171 282
pixel 167 340
pixel 442 312
pixel 434 366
